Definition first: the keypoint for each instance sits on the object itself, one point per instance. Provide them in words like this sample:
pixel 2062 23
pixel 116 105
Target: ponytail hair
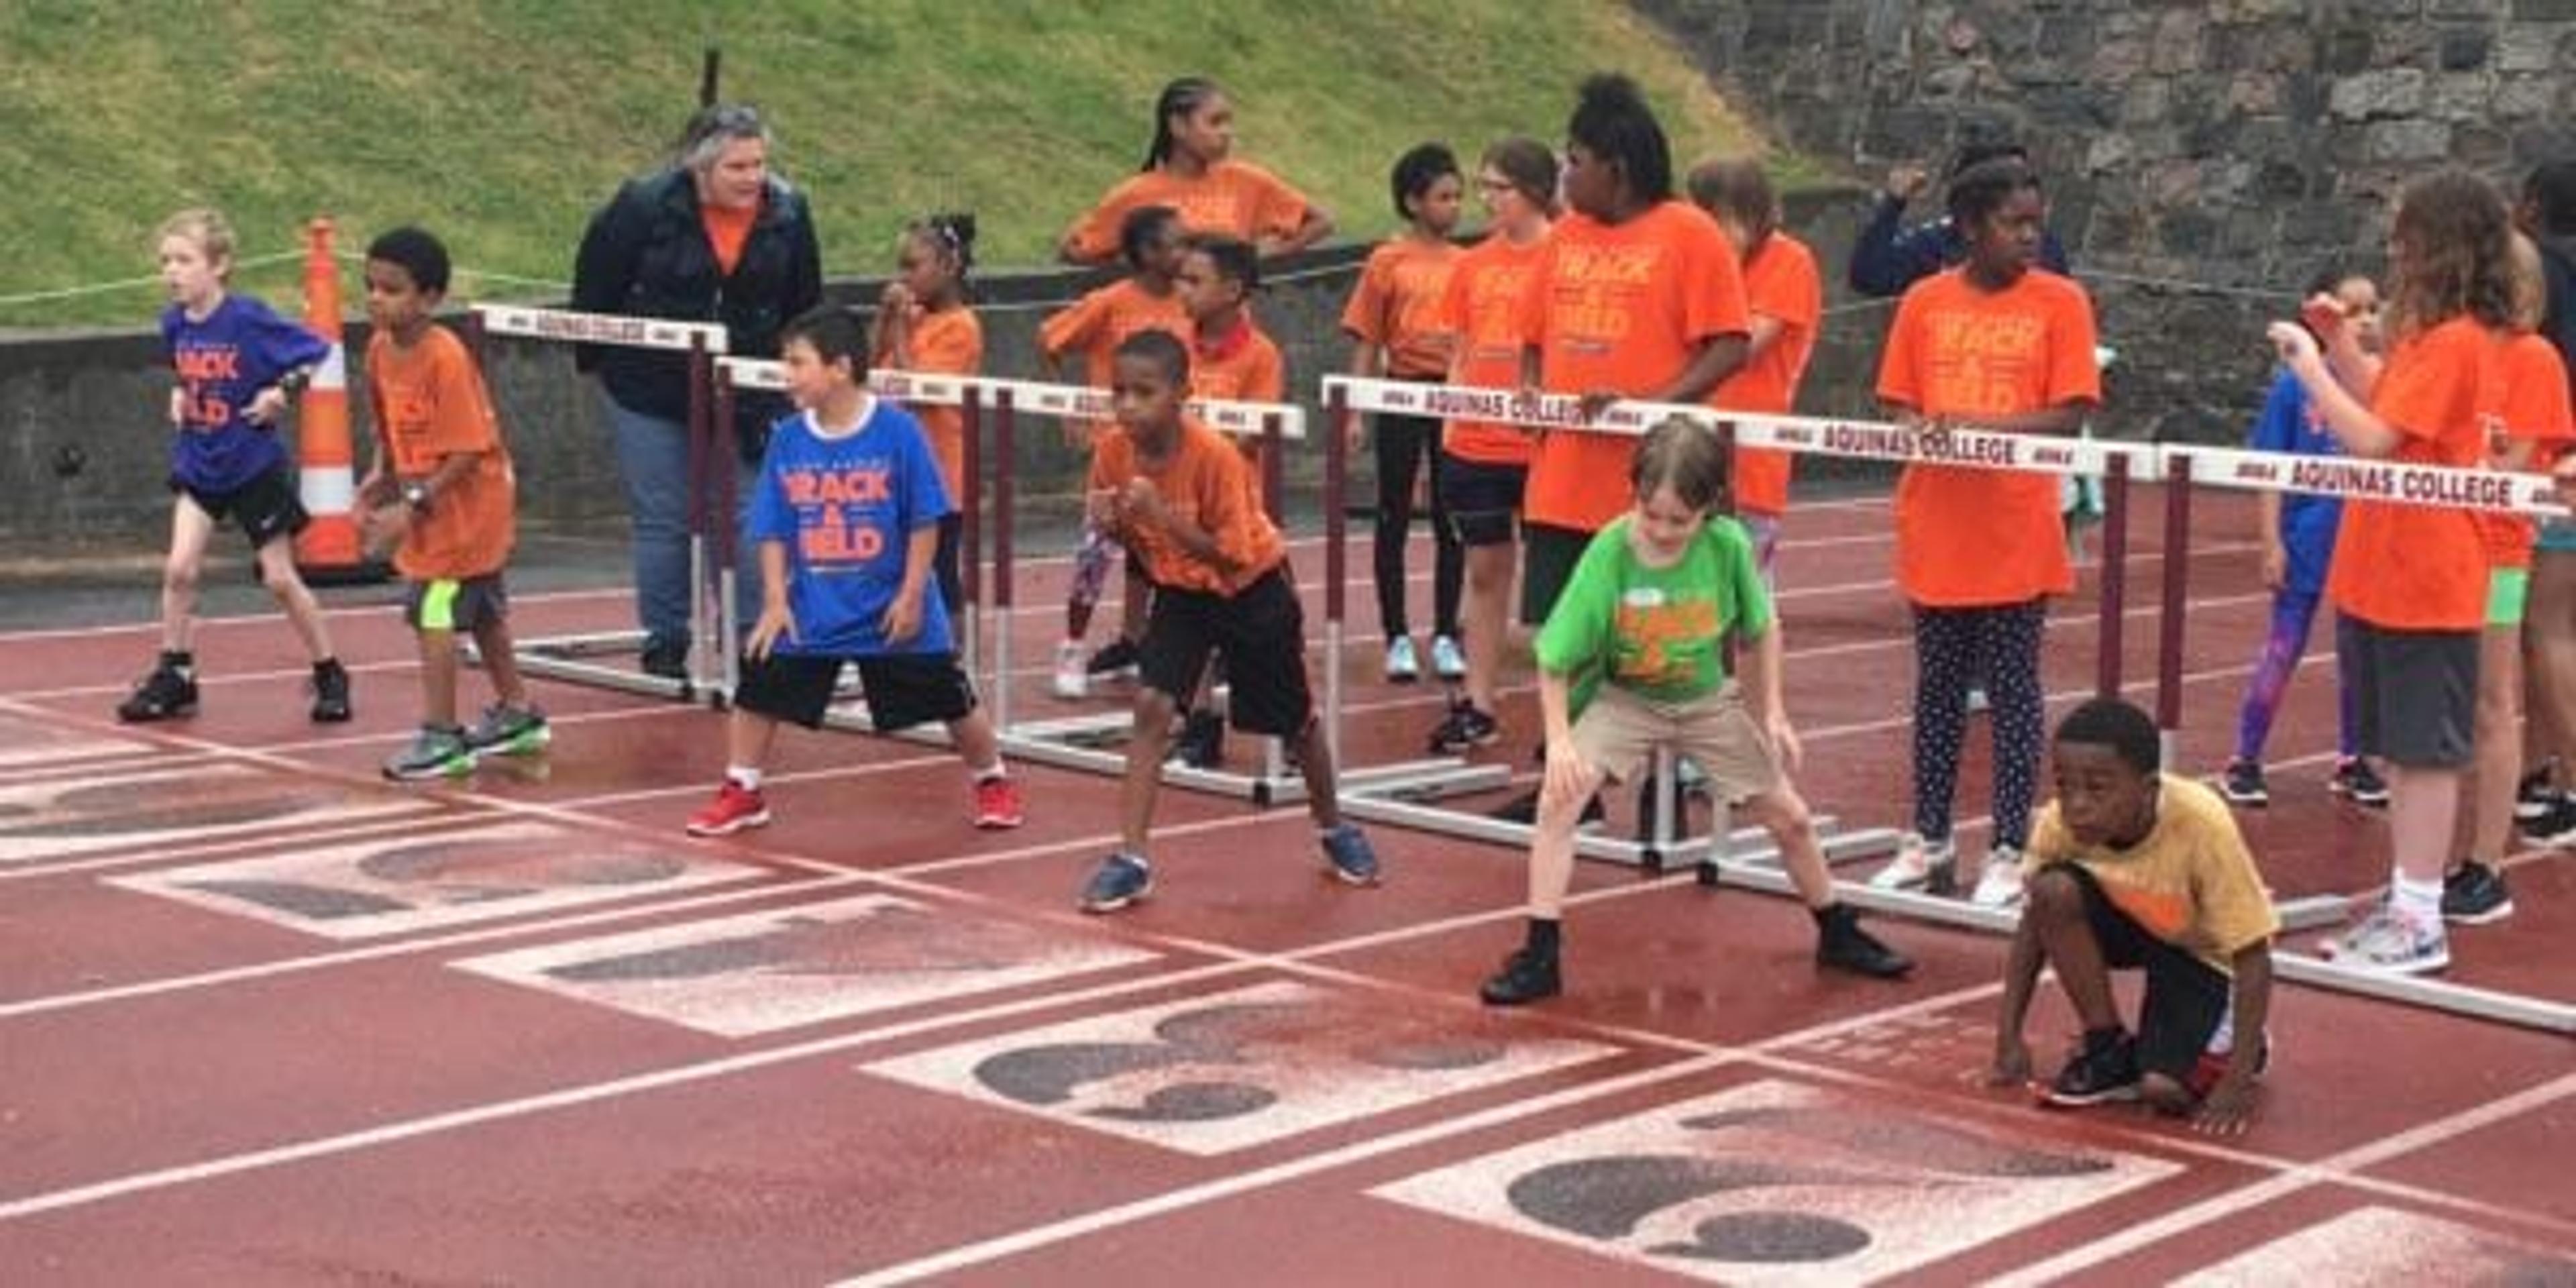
pixel 951 232
pixel 1180 98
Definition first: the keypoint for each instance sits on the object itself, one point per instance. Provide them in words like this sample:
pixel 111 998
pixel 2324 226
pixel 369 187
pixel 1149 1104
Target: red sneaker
pixel 734 808
pixel 997 804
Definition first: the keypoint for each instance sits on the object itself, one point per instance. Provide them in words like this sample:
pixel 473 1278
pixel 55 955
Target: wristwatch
pixel 416 495
pixel 294 383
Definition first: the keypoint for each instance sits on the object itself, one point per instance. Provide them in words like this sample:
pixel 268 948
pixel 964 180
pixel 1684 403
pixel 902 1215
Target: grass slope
pixel 501 124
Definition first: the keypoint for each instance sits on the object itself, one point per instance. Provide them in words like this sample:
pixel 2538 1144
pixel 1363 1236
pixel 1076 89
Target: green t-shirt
pixel 1656 632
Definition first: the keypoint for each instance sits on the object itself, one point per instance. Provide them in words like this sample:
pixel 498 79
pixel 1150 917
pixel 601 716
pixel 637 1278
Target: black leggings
pixel 1404 443
pixel 1953 649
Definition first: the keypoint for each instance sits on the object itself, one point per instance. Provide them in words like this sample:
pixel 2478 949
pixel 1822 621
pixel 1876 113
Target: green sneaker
pixel 508 731
pixel 435 752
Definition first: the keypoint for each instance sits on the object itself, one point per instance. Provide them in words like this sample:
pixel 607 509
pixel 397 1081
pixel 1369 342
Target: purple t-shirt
pixel 223 360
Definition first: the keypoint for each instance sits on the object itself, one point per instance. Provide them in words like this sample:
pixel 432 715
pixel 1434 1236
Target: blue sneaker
pixel 1346 848
pixel 1122 879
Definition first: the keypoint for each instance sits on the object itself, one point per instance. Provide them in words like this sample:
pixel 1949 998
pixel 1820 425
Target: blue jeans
pixel 653 459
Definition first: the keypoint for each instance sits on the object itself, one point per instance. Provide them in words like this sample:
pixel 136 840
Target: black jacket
pixel 645 254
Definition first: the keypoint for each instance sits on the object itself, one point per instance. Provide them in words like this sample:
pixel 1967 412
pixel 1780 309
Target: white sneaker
pixel 1999 885
pixel 1401 665
pixel 1919 864
pixel 1448 661
pixel 1072 680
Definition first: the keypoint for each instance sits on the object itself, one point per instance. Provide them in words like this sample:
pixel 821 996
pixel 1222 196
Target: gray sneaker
pixel 1347 849
pixel 434 753
pixel 509 731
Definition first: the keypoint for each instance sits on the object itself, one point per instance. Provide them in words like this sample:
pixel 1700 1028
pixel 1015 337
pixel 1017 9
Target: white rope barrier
pixel 1067 402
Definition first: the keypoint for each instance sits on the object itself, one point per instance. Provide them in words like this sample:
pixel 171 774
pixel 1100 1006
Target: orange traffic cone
pixel 327 550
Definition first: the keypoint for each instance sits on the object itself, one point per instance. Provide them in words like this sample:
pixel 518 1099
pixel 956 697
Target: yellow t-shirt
pixel 2191 883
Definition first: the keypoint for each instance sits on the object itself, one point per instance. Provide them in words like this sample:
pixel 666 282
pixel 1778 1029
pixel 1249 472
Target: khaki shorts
pixel 1618 730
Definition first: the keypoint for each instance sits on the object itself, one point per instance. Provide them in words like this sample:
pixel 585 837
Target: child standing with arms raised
pixel 923 324
pixel 2411 580
pixel 238 366
pixel 1190 167
pixel 1637 642
pixel 1484 467
pixel 1181 500
pixel 2298 544
pixel 1396 328
pixel 443 477
pixel 1149 298
pixel 2002 345
pixel 845 517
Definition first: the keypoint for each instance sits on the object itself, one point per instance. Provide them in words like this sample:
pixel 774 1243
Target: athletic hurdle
pixel 2487 491
pixel 579 659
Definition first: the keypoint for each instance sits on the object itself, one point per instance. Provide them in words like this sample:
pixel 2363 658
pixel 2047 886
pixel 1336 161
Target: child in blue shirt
pixel 2298 544
pixel 238 365
pixel 845 517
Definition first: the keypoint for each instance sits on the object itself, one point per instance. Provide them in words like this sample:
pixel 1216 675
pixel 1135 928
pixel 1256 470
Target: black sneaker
pixel 1118 655
pixel 1523 809
pixel 2474 895
pixel 666 659
pixel 2242 784
pixel 2098 1074
pixel 1202 741
pixel 1463 728
pixel 2557 827
pixel 2534 797
pixel 166 694
pixel 2354 777
pixel 1526 977
pixel 1843 945
pixel 330 692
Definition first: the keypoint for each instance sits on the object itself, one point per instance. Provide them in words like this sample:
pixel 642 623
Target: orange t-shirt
pixel 1206 482
pixel 1620 307
pixel 430 404
pixel 1781 283
pixel 1236 198
pixel 1968 538
pixel 1098 322
pixel 2528 400
pixel 2416 567
pixel 947 343
pixel 1482 307
pixel 1397 305
pixel 1241 366
pixel 728 229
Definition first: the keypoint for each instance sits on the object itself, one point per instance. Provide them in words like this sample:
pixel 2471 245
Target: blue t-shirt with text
pixel 223 360
pixel 2290 423
pixel 846 506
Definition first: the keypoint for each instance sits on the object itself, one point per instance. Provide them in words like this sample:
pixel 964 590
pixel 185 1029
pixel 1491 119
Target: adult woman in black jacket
pixel 717 237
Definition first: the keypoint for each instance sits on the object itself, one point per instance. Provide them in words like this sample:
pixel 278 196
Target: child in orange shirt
pixel 2528 428
pixel 1182 502
pixel 1998 344
pixel 1395 326
pixel 1786 297
pixel 441 484
pixel 2411 580
pixel 1484 468
pixel 923 324
pixel 1190 168
pixel 1230 360
pixel 1149 298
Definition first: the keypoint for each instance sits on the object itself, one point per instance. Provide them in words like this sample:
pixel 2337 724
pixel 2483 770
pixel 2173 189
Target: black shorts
pixel 1549 554
pixel 456 604
pixel 266 508
pixel 2186 997
pixel 2415 692
pixel 903 689
pixel 1484 499
pixel 1262 631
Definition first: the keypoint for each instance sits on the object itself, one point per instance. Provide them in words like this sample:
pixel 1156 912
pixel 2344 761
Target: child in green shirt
pixel 1636 642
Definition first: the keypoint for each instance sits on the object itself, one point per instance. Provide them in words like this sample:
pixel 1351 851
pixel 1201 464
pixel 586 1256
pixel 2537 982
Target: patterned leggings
pixel 1953 648
pixel 2292 613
